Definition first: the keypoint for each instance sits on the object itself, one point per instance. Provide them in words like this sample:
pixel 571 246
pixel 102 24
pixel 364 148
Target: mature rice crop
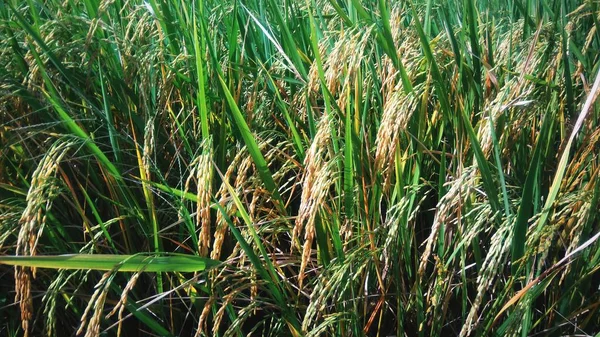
pixel 299 168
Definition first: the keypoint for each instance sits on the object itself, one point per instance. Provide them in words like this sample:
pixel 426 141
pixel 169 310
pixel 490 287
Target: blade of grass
pixel 473 36
pixel 123 263
pixel 112 133
pixel 199 51
pixel 570 105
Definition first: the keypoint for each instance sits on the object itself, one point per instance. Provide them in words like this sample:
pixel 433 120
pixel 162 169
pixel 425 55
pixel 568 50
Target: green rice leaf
pixel 123 263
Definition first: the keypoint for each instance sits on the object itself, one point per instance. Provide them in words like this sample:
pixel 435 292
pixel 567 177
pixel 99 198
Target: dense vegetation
pixel 299 168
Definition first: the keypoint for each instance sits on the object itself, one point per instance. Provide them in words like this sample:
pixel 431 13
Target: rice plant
pixel 299 168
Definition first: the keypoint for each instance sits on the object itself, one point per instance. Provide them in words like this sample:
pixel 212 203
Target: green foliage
pixel 312 168
pixel 176 263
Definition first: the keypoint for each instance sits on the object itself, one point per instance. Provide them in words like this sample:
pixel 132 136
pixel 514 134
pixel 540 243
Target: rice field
pixel 299 168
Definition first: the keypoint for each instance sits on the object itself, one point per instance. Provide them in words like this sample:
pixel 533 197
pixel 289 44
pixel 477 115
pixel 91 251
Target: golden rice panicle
pixel 123 301
pixel 42 191
pixel 314 81
pixel 204 177
pixel 491 268
pixel 216 276
pixel 408 46
pixel 224 199
pixel 447 210
pixel 397 112
pixel 227 299
pixel 344 60
pixel 204 316
pixel 97 304
pixel 318 177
